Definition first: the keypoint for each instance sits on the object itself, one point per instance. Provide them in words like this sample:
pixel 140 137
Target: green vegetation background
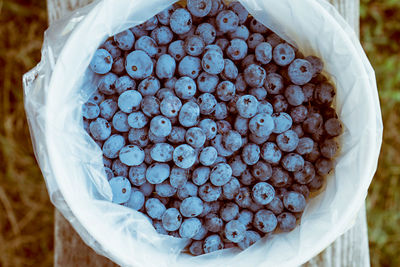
pixel 26 214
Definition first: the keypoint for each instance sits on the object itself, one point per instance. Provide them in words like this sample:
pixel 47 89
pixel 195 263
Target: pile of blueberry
pixel 212 125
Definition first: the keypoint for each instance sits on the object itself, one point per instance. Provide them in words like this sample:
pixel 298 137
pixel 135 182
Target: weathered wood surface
pixel 351 249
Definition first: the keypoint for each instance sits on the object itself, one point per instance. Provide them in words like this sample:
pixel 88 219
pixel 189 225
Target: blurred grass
pixel 26 214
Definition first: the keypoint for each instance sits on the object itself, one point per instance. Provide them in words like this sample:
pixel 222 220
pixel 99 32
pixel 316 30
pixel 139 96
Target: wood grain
pixel 351 249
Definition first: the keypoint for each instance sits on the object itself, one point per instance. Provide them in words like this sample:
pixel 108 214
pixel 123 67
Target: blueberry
pixel 90 110
pixel 256 26
pixel 138 65
pixel 217 5
pixel 129 101
pixel 155 209
pixel 112 48
pixel 157 173
pixel 101 62
pixel 138 31
pixel 113 145
pixel 218 145
pixel 286 221
pixel 136 200
pixel 97 98
pixel 148 45
pixel 292 162
pixel 100 129
pixel 212 62
pixel 302 189
pixel 333 127
pixel 207 82
pixel 196 248
pixel 229 211
pixel 294 95
pixel 329 148
pixel 314 154
pixel 232 140
pixel 191 207
pixel 279 177
pixel 209 193
pixel 118 66
pixel 188 190
pixel 212 243
pixel 294 201
pixel 121 189
pixel 222 43
pixel 137 174
pixel 208 156
pixel 124 40
pixel 165 189
pixel 324 94
pixel 231 189
pixel 184 156
pixel 316 63
pixel 299 113
pixel 138 136
pixel 119 168
pixel 199 8
pixel 131 155
pixel 251 154
pixel 260 93
pixel 248 60
pixel 162 35
pixel 274 83
pixel 165 67
pixel 287 141
pixel 221 111
pixel 239 10
pixel 316 183
pixel 137 120
pixel 254 75
pixel 261 125
pixel 276 205
pixel 160 126
pixel 305 146
pixel 201 175
pixel 243 198
pixel 207 103
pixel 283 54
pixel 263 193
pixel 124 83
pixel 282 122
pixel 189 114
pixel 235 231
pixel 150 24
pixel 279 103
pixel 165 92
pixel 271 153
pixel 230 71
pixel 265 221
pixel 107 83
pixel 207 32
pixel 262 171
pixel 241 32
pixel 171 219
pixel 147 189
pixel 177 135
pixel 274 39
pixel 194 45
pixel 298 129
pixel 107 162
pixel 263 52
pixel 254 40
pixel 213 223
pixel 190 227
pixel 300 71
pixel 225 90
pixel 247 106
pixel 227 21
pixel 189 66
pixel 108 108
pixel 178 177
pixel 220 174
pixel 195 137
pixel 177 50
pixel 162 152
pixel 237 49
pixel 312 123
pixel 249 239
pixel 109 173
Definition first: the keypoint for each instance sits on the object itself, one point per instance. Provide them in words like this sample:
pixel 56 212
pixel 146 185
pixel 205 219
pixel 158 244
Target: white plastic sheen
pixel 72 164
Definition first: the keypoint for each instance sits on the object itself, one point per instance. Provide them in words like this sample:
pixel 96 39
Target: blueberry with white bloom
pixel 184 156
pixel 121 189
pixel 154 208
pixel 185 87
pixel 100 129
pixel 101 62
pixel 157 173
pixel 138 65
pixel 208 156
pixel 160 126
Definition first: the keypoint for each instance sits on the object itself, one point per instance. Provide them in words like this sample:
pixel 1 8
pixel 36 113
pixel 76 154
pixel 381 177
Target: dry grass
pixel 26 214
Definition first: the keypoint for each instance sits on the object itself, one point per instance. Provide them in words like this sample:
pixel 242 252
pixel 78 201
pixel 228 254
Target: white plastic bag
pixel 72 164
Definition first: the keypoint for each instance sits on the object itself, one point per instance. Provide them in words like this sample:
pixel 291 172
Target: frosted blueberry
pixel 121 189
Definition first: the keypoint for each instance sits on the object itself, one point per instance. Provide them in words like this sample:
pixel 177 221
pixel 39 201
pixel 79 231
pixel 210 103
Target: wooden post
pixel 351 249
